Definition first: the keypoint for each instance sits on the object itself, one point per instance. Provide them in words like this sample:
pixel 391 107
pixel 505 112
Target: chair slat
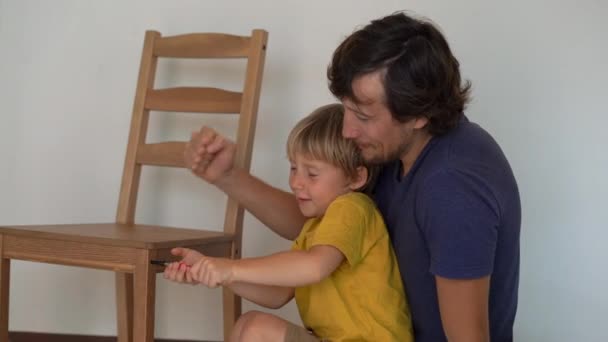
pixel 169 153
pixel 202 45
pixel 193 100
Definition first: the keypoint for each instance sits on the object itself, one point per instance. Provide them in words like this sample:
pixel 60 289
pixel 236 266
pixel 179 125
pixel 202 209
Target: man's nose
pixel 349 130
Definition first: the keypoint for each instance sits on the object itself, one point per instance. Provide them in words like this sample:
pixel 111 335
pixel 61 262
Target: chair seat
pixel 120 235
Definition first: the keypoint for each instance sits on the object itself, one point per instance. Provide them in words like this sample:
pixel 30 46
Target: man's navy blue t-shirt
pixel 456 214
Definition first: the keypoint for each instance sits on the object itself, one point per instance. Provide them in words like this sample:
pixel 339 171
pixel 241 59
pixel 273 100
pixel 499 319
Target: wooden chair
pixel 123 246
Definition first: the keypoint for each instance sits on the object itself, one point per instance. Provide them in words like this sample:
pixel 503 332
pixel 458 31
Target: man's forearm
pixel 463 306
pixel 275 208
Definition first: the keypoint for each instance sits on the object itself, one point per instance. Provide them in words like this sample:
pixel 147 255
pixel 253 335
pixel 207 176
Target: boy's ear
pixel 361 178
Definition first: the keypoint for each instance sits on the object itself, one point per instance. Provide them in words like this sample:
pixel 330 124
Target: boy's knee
pixel 250 326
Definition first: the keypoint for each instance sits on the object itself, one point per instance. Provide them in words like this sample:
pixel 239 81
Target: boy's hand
pixel 178 271
pixel 213 272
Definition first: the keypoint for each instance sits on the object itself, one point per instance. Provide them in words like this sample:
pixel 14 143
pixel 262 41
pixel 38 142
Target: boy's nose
pixel 295 183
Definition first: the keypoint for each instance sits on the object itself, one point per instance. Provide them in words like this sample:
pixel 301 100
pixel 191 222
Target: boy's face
pixel 316 184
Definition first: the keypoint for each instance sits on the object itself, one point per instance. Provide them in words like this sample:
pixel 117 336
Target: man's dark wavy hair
pixel 421 76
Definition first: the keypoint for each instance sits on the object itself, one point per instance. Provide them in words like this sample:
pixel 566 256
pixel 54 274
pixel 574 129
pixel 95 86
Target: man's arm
pixel 272 297
pixel 463 305
pixel 275 208
pixel 210 156
pixel 460 220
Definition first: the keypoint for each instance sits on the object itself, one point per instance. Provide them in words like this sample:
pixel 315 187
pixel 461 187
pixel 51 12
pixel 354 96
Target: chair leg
pixel 5 272
pixel 144 298
pixel 232 310
pixel 124 306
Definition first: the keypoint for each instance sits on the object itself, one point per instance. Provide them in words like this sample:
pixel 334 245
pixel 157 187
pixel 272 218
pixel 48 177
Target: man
pixel 446 191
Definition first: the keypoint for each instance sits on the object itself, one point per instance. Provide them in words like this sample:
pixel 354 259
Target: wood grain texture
pixel 203 45
pixel 194 100
pixel 124 306
pixel 5 272
pixel 137 132
pixel 116 234
pixel 24 336
pixel 169 153
pixel 144 289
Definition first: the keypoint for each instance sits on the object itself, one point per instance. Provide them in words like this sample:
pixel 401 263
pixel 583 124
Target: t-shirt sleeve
pixel 459 218
pixel 343 227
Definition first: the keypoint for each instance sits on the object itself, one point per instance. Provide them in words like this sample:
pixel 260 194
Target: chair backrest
pixel 192 99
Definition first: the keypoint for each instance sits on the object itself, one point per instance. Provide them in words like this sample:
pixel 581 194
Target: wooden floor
pixel 43 337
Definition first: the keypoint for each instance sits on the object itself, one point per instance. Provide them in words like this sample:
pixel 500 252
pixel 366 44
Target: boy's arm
pixel 291 268
pixel 272 297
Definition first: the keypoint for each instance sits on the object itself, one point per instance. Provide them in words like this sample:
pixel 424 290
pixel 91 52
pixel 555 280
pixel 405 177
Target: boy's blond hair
pixel 319 136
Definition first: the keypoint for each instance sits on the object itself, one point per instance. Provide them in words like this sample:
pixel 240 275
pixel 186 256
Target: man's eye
pixel 362 118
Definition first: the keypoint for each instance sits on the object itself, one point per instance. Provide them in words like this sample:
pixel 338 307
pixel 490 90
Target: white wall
pixel 67 78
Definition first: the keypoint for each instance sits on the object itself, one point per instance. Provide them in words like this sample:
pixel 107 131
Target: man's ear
pixel 420 122
pixel 360 179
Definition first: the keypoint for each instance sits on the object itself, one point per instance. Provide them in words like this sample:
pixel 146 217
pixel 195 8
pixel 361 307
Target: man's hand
pixel 178 271
pixel 209 155
pixel 213 272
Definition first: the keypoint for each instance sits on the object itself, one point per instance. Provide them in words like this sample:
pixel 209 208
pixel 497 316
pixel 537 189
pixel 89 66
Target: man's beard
pixel 380 159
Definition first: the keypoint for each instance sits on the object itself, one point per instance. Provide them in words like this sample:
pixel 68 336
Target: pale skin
pixel 463 304
pixel 270 280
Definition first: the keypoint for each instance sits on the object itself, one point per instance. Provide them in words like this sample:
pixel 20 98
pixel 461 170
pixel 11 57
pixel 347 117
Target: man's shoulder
pixel 469 149
pixel 466 157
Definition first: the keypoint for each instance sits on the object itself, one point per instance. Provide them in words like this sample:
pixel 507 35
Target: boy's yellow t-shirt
pixel 363 299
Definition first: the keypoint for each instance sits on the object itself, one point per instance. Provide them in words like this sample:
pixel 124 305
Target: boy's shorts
pixel 296 333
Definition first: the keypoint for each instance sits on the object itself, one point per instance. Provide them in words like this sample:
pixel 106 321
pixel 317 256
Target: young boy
pixel 341 268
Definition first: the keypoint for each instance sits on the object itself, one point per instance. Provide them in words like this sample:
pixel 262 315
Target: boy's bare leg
pixel 255 326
